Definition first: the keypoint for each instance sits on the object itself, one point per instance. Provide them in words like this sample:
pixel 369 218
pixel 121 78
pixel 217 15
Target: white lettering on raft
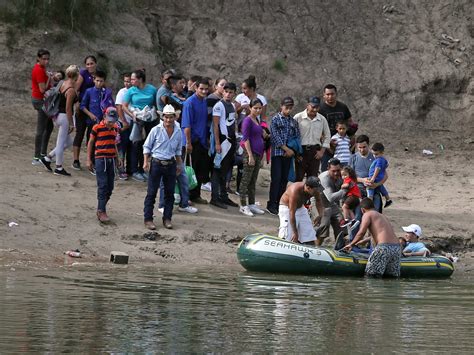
pixel 285 248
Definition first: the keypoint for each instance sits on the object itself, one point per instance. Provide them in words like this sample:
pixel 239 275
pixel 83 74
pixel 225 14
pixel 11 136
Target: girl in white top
pixel 249 92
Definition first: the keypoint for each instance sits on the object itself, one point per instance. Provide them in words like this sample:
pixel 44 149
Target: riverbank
pixel 54 214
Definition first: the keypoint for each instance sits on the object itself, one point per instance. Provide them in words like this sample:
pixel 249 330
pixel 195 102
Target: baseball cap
pixel 287 101
pixel 413 228
pixel 314 100
pixel 111 114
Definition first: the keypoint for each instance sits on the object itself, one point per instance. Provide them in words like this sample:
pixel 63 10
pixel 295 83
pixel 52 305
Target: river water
pixel 217 310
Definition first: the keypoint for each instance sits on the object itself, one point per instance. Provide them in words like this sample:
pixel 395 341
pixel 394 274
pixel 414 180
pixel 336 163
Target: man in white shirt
pixel 315 139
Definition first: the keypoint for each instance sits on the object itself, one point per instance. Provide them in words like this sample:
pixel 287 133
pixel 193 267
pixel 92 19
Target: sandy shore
pixel 55 214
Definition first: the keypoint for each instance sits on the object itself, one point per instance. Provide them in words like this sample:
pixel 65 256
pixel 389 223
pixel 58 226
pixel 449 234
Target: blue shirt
pixel 139 98
pixel 283 129
pixel 195 117
pixel 380 163
pixel 96 101
pixel 162 91
pixel 415 247
pixel 160 145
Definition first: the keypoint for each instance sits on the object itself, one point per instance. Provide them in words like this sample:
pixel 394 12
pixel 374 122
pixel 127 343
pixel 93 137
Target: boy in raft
pixel 414 247
pixel 385 259
pixel 295 222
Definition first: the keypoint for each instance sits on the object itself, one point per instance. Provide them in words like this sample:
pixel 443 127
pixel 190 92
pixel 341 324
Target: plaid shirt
pixel 283 129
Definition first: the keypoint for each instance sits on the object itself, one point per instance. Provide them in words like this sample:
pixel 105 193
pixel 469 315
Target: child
pixel 353 195
pixel 95 101
pixel 103 140
pixel 377 173
pixel 342 144
pixel 414 247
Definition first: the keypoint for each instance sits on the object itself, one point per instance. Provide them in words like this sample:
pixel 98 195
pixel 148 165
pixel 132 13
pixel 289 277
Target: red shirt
pixel 354 190
pixel 38 75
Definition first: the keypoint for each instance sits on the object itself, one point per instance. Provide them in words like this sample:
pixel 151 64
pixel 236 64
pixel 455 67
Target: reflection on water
pixel 127 310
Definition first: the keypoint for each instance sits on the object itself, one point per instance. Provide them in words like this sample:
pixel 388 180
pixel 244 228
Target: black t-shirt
pixel 335 114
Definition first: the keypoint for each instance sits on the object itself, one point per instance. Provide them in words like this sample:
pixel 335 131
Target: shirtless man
pixel 385 259
pixel 295 223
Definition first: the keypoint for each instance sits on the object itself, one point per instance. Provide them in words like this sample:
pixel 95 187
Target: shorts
pixel 384 261
pixel 306 231
pixel 352 202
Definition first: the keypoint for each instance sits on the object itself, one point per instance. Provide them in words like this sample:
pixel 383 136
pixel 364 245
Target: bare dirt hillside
pixel 403 68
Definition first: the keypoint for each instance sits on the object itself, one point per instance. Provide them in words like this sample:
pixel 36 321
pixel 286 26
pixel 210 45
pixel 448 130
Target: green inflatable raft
pixel 264 253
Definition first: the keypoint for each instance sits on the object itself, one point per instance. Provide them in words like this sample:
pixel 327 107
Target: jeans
pixel 125 149
pixel 219 176
pixel 105 174
pixel 201 166
pixel 324 160
pixel 279 172
pixel 159 172
pixel 44 127
pixel 182 181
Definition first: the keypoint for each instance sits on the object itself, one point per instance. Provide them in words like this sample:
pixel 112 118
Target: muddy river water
pixel 118 310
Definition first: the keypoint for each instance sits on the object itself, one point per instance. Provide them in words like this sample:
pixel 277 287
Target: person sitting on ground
pixel 353 195
pixel 295 222
pixel 341 144
pixel 414 247
pixel 385 259
pixel 102 156
pixel 377 174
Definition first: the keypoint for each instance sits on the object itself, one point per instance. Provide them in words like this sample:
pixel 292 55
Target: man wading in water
pixel 385 259
pixel 295 223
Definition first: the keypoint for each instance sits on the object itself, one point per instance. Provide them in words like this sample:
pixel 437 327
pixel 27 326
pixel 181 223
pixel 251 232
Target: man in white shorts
pixel 295 222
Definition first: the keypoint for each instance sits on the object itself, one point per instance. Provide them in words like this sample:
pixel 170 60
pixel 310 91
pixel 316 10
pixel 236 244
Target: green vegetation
pixel 280 65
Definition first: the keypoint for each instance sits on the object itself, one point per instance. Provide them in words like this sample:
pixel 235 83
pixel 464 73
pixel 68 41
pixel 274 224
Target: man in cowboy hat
pixel 162 159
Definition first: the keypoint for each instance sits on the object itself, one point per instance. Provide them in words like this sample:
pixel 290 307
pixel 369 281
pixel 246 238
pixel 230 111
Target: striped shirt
pixel 343 148
pixel 105 139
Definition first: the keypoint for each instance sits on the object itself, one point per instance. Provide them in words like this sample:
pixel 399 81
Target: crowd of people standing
pixel 152 134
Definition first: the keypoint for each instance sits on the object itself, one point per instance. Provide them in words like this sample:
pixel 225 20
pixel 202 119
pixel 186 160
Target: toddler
pixel 377 173
pixel 353 195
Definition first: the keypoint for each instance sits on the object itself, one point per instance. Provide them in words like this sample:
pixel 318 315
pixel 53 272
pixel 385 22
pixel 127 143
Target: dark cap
pixel 111 114
pixel 287 101
pixel 314 101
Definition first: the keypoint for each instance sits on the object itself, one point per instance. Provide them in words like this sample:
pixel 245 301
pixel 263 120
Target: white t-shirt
pixel 119 100
pixel 220 111
pixel 244 99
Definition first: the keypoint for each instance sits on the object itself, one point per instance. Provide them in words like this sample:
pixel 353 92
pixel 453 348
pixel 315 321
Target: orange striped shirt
pixel 104 140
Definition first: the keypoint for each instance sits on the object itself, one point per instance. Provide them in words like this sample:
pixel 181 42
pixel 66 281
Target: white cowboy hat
pixel 169 110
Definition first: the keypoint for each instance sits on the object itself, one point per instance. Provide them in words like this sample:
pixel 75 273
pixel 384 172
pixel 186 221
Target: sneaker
pixel 161 210
pixel 230 203
pixel 272 211
pixel 76 165
pixel 92 172
pixel 206 187
pixel 246 211
pixel 344 223
pixel 230 191
pixel 61 171
pixel 46 163
pixel 188 209
pixel 255 210
pixel 36 162
pixel 138 177
pixel 123 176
pixel 218 204
pixel 200 201
pixel 387 203
pixel 354 224
pixel 145 176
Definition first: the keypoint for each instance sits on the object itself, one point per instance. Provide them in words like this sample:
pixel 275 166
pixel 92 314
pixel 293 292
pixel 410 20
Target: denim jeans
pixel 105 174
pixel 159 172
pixel 44 127
pixel 219 176
pixel 279 172
pixel 325 159
pixel 182 181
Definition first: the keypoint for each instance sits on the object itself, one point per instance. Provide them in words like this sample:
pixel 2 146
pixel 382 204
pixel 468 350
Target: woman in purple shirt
pixel 84 82
pixel 252 141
